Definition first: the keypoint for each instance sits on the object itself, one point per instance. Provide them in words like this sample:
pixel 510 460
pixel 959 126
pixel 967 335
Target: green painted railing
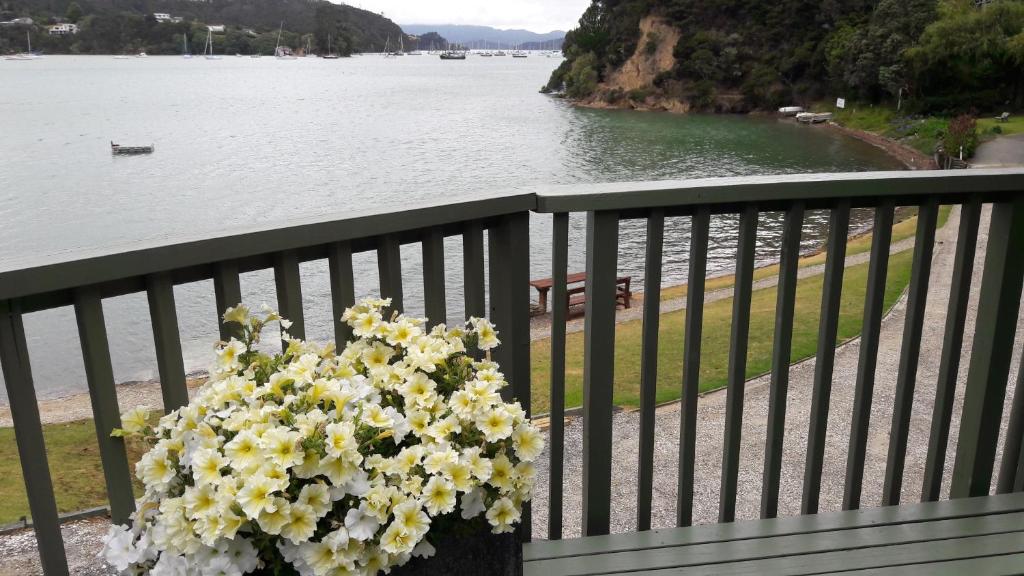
pixel 83 279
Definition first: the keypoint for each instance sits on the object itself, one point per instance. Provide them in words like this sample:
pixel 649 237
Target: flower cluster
pixel 327 462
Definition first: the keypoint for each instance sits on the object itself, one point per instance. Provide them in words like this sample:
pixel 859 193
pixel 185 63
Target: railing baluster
pixel 1009 475
pixel 473 269
pixel 789 266
pixel 839 226
pixel 556 427
pixel 874 308
pixel 599 370
pixel 28 433
pixel 343 289
pixel 737 377
pixel 517 330
pixel 498 285
pixel 698 267
pixel 389 265
pixel 289 293
pixel 994 332
pixel 995 328
pixel 952 349
pixel 433 277
pixel 99 375
pixel 649 366
pixel 228 290
pixel 906 377
pixel 167 339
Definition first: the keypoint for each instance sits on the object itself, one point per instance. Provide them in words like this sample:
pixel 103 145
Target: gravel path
pixel 711 424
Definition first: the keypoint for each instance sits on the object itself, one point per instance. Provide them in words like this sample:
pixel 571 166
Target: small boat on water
pixel 330 52
pixel 453 55
pixel 813 118
pixel 29 55
pixel 119 150
pixel 208 49
pixel 791 110
pixel 279 52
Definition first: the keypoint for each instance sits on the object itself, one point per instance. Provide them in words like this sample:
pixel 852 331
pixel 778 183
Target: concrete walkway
pixel 1003 152
pixel 711 424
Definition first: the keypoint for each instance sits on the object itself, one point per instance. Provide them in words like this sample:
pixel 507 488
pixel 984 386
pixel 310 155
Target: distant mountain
pixel 485 36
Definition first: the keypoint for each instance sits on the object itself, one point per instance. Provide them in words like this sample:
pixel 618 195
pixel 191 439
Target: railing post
pixel 167 339
pixel 473 270
pixel 995 329
pixel 228 293
pixel 509 245
pixel 389 265
pixel 28 433
pixel 289 293
pixel 343 290
pixel 599 370
pixel 99 374
pixel 556 428
pixel 1009 474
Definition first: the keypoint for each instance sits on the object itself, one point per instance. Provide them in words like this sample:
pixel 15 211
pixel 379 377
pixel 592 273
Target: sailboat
pixel 309 48
pixel 208 50
pixel 330 53
pixel 185 52
pixel 278 51
pixel 25 55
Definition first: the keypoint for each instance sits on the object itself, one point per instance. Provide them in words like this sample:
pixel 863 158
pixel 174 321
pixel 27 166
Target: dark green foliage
pixel 127 26
pixel 942 55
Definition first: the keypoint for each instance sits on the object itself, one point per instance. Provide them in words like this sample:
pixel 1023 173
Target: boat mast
pixel 28 36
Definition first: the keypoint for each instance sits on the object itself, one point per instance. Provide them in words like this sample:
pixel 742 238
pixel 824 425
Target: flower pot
pixel 479 552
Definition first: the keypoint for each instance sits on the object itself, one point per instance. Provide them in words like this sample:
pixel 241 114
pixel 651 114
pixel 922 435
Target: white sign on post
pixel 840 102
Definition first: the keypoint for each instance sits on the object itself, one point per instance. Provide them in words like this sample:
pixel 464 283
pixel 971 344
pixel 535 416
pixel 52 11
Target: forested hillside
pixel 117 26
pixel 738 55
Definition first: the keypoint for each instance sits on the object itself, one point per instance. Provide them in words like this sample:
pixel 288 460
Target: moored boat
pixel 119 150
pixel 813 118
pixel 791 110
pixel 453 55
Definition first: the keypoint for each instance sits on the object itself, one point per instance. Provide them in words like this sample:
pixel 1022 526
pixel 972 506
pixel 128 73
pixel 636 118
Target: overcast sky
pixel 534 15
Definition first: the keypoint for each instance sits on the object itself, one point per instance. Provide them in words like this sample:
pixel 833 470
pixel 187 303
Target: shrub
pixel 639 94
pixel 581 80
pixel 653 40
pixel 962 132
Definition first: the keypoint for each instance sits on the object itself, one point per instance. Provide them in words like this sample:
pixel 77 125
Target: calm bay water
pixel 246 142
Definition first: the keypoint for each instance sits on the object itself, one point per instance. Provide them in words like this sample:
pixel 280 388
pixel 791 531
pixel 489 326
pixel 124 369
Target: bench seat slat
pixel 959 508
pixel 982 566
pixel 848 561
pixel 778 549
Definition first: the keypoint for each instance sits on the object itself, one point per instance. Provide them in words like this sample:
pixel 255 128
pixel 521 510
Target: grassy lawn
pixel 921 133
pixel 1014 126
pixel 74 455
pixel 75 468
pixel 715 344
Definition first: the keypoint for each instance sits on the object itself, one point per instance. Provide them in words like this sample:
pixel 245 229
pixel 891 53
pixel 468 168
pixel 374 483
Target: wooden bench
pixel 577 294
pixel 1004 117
pixel 973 536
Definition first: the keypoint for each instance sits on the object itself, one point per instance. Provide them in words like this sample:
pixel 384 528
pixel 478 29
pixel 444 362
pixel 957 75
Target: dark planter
pixel 480 553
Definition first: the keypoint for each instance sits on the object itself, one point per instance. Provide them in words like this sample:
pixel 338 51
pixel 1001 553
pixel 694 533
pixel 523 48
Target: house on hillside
pixel 63 29
pixel 18 22
pixel 216 29
pixel 163 17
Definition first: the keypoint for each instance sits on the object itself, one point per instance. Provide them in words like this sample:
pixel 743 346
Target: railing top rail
pixel 86 266
pixel 775 189
pixel 35 275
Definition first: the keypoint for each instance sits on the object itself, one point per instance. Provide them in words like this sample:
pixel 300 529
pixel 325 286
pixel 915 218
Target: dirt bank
pixel 913 159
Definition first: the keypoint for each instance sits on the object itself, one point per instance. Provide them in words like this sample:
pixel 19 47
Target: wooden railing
pixel 85 279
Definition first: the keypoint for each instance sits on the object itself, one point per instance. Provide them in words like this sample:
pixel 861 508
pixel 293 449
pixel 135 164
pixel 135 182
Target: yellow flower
pixel 501 473
pixel 282 447
pixel 528 442
pixel 460 475
pixel 502 515
pixel 257 496
pixel 495 424
pixel 228 356
pixel 135 420
pixel 200 502
pixel 239 314
pixel 340 439
pixel 206 466
pixel 375 417
pixel 243 451
pixel 410 516
pixel 301 523
pixel 272 520
pixel 397 540
pixel 438 496
pixel 316 496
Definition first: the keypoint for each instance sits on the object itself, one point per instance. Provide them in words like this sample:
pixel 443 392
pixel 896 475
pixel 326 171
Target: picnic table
pixel 577 294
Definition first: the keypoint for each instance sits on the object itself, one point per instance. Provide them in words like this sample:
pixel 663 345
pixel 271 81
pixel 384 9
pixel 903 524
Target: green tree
pixel 74 12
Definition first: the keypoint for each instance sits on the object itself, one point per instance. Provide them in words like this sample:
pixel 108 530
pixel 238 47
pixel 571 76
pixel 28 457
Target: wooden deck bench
pixel 577 294
pixel 975 536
